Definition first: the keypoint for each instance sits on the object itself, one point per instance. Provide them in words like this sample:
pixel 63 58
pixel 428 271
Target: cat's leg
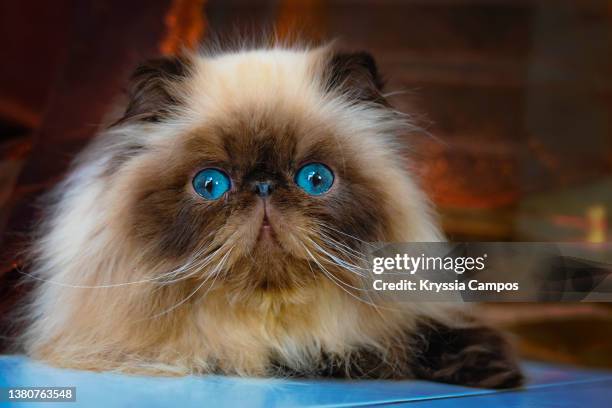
pixel 361 363
pixel 476 356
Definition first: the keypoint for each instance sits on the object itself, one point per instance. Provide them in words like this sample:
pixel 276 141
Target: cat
pixel 215 227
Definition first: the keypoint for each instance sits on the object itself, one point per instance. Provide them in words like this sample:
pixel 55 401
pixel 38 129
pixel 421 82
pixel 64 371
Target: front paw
pixel 476 356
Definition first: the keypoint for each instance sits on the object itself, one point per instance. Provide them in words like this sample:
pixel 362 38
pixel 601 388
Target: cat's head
pixel 262 169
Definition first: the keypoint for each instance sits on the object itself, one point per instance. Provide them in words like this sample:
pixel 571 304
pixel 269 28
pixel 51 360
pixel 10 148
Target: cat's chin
pixel 268 247
pixel 268 266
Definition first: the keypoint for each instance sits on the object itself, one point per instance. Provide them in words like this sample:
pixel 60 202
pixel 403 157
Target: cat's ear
pixel 153 89
pixel 355 74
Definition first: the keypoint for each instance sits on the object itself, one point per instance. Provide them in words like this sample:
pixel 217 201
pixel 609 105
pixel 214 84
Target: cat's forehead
pixel 263 78
pixel 260 104
pixel 282 139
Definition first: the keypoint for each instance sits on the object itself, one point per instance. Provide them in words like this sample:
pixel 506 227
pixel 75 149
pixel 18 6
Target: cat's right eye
pixel 211 183
pixel 315 178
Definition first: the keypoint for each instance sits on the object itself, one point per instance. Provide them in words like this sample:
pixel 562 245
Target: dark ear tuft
pixel 150 91
pixel 357 74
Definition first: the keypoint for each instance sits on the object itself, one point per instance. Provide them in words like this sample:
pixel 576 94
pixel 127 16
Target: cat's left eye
pixel 211 183
pixel 314 178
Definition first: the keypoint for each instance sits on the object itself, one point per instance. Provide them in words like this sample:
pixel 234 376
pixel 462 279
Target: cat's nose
pixel 263 188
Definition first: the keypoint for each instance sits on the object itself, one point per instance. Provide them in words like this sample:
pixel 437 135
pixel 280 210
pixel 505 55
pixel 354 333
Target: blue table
pixel 549 386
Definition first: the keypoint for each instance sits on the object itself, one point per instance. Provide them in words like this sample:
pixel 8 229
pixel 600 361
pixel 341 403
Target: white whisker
pixel 346 234
pixel 213 273
pixel 329 274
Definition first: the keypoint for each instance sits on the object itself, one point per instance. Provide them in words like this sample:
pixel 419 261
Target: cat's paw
pixel 472 356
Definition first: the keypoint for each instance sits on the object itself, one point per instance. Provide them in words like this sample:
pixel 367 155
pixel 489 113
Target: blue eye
pixel 211 183
pixel 314 178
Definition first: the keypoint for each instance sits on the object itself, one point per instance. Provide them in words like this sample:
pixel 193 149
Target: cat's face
pixel 263 172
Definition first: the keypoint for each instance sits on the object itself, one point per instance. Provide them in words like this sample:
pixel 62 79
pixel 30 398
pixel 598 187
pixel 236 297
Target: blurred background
pixel 514 98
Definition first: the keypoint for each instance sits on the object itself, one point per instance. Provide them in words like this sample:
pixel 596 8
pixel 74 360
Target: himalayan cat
pixel 215 227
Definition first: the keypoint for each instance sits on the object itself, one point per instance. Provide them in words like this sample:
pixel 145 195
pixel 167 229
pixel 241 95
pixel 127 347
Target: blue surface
pixel 552 386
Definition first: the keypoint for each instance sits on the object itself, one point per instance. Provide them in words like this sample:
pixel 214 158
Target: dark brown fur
pixel 150 97
pixel 358 74
pixel 476 356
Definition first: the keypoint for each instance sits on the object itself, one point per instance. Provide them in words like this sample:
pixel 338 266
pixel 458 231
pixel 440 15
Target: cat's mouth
pixel 271 232
pixel 266 231
pixel 267 235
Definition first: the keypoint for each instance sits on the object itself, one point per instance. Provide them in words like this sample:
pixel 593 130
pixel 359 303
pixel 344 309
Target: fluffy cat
pixel 215 226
